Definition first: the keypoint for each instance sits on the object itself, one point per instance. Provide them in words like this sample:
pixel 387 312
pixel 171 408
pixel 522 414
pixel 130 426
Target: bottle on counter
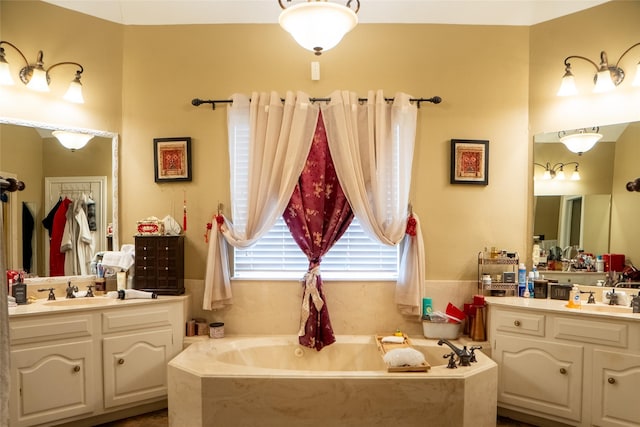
pixel 522 279
pixel 574 297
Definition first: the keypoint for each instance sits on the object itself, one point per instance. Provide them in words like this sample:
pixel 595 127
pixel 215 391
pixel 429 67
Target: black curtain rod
pixel 197 101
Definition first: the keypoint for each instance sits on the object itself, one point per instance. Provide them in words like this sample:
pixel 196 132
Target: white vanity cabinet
pixel 89 362
pixel 569 367
pixel 616 377
pixel 52 369
pixel 136 347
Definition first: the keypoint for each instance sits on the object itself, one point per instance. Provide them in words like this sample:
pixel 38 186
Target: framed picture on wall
pixel 172 159
pixel 469 161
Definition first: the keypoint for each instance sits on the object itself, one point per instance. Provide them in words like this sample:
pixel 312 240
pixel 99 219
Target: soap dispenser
pixel 574 297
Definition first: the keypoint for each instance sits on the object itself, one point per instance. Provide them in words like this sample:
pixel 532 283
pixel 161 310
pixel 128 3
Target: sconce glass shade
pixel 575 176
pixel 547 175
pixel 38 80
pixel 636 80
pixel 604 82
pixel 72 140
pixel 74 93
pixel 318 25
pixel 5 73
pixel 580 142
pixel 568 85
pixel 560 176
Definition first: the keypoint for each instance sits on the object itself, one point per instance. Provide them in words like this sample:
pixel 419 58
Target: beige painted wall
pixel 498 83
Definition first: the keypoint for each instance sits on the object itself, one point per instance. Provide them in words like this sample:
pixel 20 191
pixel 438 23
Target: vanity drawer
pixel 125 320
pixel 49 328
pixel 518 322
pixel 612 334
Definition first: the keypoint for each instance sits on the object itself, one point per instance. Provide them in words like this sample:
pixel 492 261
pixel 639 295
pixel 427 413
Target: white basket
pixel 437 330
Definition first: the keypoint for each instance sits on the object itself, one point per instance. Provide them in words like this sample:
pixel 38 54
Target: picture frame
pixel 172 159
pixel 469 161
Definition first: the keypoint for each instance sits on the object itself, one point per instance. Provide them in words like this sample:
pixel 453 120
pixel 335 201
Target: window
pixel 276 255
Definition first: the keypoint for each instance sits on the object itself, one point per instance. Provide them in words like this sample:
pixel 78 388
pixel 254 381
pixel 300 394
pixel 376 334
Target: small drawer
pixel 601 332
pixel 124 320
pixel 519 322
pixel 49 328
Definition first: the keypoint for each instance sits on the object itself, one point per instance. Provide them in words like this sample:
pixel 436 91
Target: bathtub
pixel 273 381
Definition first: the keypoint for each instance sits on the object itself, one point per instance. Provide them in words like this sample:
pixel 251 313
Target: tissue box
pixel 150 227
pixel 437 330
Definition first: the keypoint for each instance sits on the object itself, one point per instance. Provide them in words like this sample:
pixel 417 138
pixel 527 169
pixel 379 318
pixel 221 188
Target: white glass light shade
pixel 74 93
pixel 568 86
pixel 636 80
pixel 72 140
pixel 580 142
pixel 560 176
pixel 575 176
pixel 318 25
pixel 5 73
pixel 546 175
pixel 38 80
pixel 604 82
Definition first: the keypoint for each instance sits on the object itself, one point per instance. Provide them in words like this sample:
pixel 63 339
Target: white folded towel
pixel 393 339
pixel 118 259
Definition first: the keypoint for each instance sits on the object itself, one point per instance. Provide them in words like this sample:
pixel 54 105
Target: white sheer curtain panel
pixel 279 142
pixel 372 147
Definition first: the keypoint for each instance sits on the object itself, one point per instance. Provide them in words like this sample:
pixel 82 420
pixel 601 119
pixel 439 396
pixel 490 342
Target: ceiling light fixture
pixel 581 141
pixel 318 25
pixel 557 171
pixel 72 140
pixel 606 79
pixel 36 77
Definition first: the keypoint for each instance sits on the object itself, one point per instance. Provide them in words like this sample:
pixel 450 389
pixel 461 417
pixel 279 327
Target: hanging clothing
pixel 28 223
pixel 91 214
pixel 77 242
pixel 48 221
pixel 56 258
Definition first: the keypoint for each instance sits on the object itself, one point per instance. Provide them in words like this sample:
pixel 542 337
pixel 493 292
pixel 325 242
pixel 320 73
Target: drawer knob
pixel 611 380
pixel 516 323
pixel 120 361
pixel 76 368
pixel 563 371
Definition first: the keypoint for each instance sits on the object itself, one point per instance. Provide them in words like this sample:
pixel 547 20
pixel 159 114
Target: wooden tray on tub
pixel 386 347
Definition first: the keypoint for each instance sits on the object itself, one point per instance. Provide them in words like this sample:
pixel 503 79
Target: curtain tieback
pixel 310 291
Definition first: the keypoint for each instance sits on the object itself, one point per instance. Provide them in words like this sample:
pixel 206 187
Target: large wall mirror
pixel 30 153
pixel 577 214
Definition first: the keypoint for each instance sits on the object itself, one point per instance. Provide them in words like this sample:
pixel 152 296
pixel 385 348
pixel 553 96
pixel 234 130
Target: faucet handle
pixel 89 290
pixel 51 296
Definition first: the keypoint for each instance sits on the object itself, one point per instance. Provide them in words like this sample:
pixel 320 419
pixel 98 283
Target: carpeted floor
pixel 159 419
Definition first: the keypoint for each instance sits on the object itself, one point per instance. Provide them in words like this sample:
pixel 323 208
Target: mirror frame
pixel 114 160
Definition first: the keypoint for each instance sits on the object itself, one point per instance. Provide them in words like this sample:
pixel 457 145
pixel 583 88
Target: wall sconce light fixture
pixel 36 77
pixel 72 140
pixel 607 76
pixel 318 25
pixel 557 171
pixel 580 141
pixel 634 185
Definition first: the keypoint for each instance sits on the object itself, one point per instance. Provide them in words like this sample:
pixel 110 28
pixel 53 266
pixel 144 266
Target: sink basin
pixel 81 301
pixel 604 308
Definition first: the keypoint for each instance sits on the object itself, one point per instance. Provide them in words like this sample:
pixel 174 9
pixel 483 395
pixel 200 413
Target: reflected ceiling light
pixel 318 25
pixel 607 76
pixel 557 171
pixel 36 77
pixel 581 141
pixel 72 140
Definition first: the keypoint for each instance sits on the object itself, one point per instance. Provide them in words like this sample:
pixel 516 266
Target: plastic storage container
pixel 437 330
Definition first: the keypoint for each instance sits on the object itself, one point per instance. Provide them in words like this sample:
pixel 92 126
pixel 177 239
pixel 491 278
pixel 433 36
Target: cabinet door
pixel 615 387
pixel 539 376
pixel 135 366
pixel 51 382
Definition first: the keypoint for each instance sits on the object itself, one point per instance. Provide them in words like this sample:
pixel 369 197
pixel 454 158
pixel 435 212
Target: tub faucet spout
pixel 464 355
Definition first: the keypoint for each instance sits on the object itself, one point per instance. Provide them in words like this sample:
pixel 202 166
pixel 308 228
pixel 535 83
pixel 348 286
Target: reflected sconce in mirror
pixel 634 185
pixel 557 171
pixel 72 140
pixel 36 77
pixel 581 141
pixel 607 76
pixel 318 25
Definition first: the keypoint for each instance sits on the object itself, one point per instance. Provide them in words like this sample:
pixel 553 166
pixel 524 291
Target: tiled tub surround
pixel 272 381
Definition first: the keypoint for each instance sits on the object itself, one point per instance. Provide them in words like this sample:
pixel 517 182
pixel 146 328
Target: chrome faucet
pixel 89 290
pixel 613 297
pixel 464 355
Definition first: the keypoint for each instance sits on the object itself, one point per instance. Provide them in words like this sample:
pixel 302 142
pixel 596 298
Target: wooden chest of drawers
pixel 160 264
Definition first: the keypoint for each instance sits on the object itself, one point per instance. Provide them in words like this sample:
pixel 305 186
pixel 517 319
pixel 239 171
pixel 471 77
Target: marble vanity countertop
pixel 560 306
pixel 43 306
